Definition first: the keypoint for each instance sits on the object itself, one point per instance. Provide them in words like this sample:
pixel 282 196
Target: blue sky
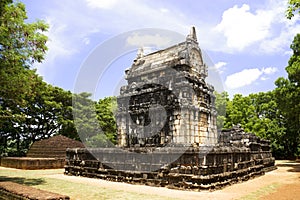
pixel 247 41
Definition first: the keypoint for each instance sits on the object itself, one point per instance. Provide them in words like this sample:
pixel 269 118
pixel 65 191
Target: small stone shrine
pixel 167 133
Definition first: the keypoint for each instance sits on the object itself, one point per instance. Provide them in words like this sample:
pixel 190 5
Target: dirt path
pixel 290 188
pixel 283 183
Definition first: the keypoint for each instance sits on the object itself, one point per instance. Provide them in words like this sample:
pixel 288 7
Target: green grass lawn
pixel 37 179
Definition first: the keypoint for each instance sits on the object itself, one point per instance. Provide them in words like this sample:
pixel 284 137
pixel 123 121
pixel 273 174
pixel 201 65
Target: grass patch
pixel 78 191
pixel 261 192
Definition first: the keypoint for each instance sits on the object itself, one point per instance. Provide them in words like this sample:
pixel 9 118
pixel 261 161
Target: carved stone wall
pixel 167 100
pixel 238 157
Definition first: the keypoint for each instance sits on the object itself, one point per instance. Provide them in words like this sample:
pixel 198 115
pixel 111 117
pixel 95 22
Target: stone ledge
pixel 32 163
pixel 15 191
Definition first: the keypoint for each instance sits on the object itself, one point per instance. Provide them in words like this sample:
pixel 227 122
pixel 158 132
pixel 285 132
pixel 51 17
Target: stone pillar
pixel 196 127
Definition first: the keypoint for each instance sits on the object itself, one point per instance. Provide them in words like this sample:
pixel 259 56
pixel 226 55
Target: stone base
pixel 32 163
pixel 194 169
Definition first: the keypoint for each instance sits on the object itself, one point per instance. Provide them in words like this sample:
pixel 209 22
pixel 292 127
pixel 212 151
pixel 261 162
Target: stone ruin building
pixel 175 79
pixel 167 133
pixel 47 153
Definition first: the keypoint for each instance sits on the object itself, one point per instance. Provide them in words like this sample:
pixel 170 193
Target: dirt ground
pixel 283 183
pixel 290 188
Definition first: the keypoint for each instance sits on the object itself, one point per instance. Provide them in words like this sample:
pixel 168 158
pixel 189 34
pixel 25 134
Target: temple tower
pixel 167 101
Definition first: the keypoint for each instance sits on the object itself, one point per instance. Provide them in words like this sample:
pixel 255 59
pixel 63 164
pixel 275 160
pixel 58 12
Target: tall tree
pixel 288 92
pixel 21 45
pixel 288 99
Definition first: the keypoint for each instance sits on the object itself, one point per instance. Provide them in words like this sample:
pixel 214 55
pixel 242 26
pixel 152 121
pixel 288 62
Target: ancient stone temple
pixel 167 133
pixel 173 78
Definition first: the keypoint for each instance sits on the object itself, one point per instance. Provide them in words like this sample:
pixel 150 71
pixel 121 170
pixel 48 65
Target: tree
pixel 86 122
pixel 240 111
pixel 287 93
pixel 21 45
pixel 289 107
pixel 105 109
pixel 49 113
pixel 3 3
pixel 95 121
pixel 288 99
pixel 294 6
pixel 222 101
pixel 259 114
pixel 293 68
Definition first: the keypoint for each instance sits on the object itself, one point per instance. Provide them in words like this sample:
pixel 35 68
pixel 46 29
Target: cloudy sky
pixel 247 42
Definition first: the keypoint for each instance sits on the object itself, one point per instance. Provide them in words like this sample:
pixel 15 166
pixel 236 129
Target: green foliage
pixel 259 114
pixel 294 7
pixel 222 100
pixel 22 43
pixel 85 118
pixel 288 99
pixel 95 122
pixel 105 109
pixel 239 111
pixel 48 111
pixel 293 68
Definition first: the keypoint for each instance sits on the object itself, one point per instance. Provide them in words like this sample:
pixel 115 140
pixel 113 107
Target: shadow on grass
pixel 295 165
pixel 23 181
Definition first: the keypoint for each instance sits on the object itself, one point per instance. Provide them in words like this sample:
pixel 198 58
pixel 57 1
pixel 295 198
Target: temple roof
pixel 185 53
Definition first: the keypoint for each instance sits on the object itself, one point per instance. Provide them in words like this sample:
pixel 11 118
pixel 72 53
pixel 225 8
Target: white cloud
pixel 289 52
pixel 164 10
pixel 281 42
pixel 102 4
pixel 264 30
pixel 269 70
pixel 74 25
pixel 242 28
pixel 243 78
pixel 248 76
pixel 58 47
pixel 133 14
pixel 219 67
pixel 148 40
pixel 263 78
